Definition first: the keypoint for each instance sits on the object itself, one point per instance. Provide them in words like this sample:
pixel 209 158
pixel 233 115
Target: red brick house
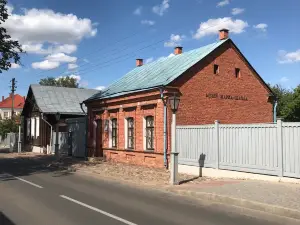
pixel 130 122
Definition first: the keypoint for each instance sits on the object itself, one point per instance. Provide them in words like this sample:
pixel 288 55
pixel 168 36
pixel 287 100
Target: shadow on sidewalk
pixel 4 220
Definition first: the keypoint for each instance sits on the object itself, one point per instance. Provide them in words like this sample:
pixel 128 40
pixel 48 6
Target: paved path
pixel 280 194
pixel 31 193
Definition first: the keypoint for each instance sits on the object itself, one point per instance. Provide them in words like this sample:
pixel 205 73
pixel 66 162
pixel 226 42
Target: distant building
pixel 6 105
pixel 130 121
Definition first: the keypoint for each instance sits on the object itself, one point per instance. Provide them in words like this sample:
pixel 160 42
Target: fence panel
pixel 249 148
pixel 77 127
pixel 272 149
pixel 192 141
pixel 63 145
pixel 291 149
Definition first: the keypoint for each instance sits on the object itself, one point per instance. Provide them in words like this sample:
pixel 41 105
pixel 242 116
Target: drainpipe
pixel 165 127
pixel 275 111
pixel 86 131
pixel 50 131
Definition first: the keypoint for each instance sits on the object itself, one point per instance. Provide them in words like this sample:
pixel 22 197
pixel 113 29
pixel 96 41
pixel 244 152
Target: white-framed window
pixel 5 115
pixel 32 129
pixel 148 127
pixel 28 127
pixel 129 133
pixel 37 124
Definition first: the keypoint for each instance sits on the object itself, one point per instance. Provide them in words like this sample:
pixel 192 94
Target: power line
pixel 98 65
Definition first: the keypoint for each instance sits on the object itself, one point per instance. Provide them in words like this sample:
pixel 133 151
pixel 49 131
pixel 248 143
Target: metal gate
pixel 77 136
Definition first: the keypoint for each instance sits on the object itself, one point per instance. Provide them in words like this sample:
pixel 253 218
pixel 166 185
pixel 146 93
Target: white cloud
pixel 61 57
pixel 148 22
pixel 15 66
pixel 43 31
pixel 236 11
pixel 175 40
pixel 72 66
pixel 261 26
pixel 164 57
pixel 39 48
pixel 289 57
pixel 76 77
pixel 86 60
pixel 45 65
pixel 138 10
pixel 162 8
pixel 223 3
pixel 284 79
pixel 43 25
pixel 84 84
pixel 149 60
pixel 212 26
pixel 100 88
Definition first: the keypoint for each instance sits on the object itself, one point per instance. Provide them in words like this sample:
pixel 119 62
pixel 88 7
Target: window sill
pixel 149 150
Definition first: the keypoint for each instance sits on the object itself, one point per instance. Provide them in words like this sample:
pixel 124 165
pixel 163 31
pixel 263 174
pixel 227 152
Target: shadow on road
pixel 23 165
pixel 4 220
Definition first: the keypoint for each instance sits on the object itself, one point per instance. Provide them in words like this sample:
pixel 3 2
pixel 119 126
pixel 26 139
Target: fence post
pixel 280 146
pixel 216 140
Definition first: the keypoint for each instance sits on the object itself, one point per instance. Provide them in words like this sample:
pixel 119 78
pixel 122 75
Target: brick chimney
pixel 177 50
pixel 139 62
pixel 2 98
pixel 223 34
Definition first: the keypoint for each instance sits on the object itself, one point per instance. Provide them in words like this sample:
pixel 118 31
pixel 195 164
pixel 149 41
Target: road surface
pixel 33 194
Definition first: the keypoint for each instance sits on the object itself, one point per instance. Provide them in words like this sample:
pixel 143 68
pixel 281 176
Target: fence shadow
pixel 201 165
pixel 4 220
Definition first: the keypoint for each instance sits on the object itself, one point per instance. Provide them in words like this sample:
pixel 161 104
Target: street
pixel 32 193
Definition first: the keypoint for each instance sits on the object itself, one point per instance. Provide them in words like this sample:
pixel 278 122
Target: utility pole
pixel 13 89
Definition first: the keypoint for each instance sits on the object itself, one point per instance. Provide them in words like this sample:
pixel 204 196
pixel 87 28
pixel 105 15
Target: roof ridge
pixel 157 73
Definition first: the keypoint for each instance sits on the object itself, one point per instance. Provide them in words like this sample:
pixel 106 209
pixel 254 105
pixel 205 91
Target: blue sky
pixel 98 41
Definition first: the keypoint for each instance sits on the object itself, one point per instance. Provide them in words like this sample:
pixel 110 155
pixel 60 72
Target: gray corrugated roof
pixel 64 100
pixel 158 73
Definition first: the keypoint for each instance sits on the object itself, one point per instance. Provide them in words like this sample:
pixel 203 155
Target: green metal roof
pixel 155 74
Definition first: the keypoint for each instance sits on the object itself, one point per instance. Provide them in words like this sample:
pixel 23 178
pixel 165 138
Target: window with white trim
pixel 149 133
pixel 130 133
pixel 37 128
pixel 114 132
pixel 32 130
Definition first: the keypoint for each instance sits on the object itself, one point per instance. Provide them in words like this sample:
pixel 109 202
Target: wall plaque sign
pixel 229 97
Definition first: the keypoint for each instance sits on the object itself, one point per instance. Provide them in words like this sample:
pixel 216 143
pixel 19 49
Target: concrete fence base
pixel 217 173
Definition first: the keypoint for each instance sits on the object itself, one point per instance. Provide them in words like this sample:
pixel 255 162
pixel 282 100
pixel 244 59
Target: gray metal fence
pixel 272 149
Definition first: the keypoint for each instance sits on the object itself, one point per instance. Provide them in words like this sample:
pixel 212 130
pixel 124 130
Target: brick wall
pixel 138 111
pixel 196 108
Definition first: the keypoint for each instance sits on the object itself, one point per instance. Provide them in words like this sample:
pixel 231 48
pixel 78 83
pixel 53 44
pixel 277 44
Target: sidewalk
pixel 277 198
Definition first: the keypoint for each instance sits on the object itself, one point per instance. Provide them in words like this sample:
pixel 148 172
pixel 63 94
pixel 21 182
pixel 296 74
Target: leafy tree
pixel 284 96
pixel 7 126
pixel 288 106
pixel 9 49
pixel 60 82
pixel 292 110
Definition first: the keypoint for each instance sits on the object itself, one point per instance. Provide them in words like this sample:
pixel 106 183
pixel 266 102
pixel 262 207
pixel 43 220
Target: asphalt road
pixel 34 194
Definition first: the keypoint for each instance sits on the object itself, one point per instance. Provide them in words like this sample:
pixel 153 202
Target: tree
pixel 60 82
pixel 9 49
pixel 292 110
pixel 284 96
pixel 288 103
pixel 7 126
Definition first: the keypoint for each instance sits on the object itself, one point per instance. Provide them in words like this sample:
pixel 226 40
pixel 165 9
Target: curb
pixel 273 209
pixel 222 199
